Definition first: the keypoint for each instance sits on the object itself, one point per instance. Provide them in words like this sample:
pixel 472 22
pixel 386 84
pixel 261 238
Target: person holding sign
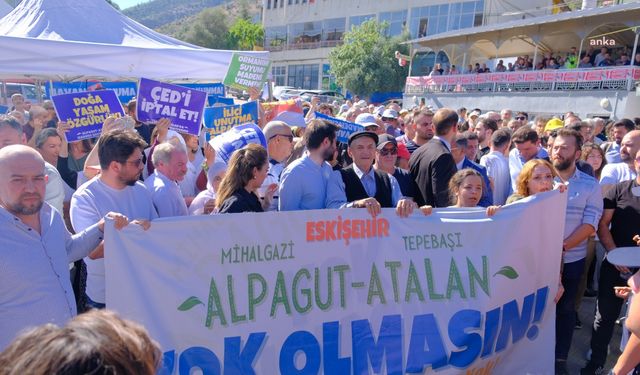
pixel 362 186
pixel 116 188
pixel 170 159
pixel 247 171
pixel 466 190
pixel 36 247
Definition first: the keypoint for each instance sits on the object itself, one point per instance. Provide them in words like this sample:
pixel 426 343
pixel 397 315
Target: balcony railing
pixel 302 45
pixel 616 78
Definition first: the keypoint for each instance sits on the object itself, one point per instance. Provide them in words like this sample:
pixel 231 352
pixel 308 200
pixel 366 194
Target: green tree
pixel 113 4
pixel 244 34
pixel 209 29
pixel 365 63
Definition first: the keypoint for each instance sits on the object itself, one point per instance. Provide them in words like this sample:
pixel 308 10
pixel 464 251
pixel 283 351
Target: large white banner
pixel 337 292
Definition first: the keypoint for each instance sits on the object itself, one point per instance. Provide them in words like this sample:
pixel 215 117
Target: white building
pixel 301 33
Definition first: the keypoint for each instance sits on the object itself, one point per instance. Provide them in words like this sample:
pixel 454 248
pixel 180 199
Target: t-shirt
pixel 241 201
pixel 615 173
pixel 90 203
pixel 626 215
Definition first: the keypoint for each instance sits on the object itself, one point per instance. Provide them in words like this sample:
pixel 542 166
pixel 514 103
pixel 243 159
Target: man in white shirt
pixel 170 161
pixel 497 165
pixel 279 146
pixel 36 247
pixel 116 188
pixel 625 170
pixel 11 134
pixel 194 167
pixel 527 148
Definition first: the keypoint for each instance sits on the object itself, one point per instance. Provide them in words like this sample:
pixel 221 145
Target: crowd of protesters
pixel 55 196
pixel 590 58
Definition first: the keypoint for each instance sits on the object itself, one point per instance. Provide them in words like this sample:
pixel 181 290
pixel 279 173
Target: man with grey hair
pixel 170 161
pixel 279 147
pixel 36 247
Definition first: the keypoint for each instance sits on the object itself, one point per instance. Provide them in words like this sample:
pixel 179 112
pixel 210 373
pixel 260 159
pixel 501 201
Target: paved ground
pixel 581 338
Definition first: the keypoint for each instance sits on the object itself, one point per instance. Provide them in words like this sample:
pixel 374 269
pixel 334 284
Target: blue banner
pixel 124 90
pixel 86 112
pixel 209 88
pixel 3 109
pixel 218 120
pixel 346 128
pixel 216 99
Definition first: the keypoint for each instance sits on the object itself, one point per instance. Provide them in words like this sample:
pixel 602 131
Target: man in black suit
pixel 432 165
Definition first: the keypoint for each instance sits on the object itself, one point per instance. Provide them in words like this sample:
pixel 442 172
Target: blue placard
pixel 182 105
pixel 218 120
pixel 346 128
pixel 124 90
pixel 86 112
pixel 3 109
pixel 209 88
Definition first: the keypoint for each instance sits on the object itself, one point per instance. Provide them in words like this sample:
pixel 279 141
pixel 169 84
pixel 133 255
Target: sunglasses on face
pixel 136 163
pixel 521 118
pixel 389 151
pixel 288 136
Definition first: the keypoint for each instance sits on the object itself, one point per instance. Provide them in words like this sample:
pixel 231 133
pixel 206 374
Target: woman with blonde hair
pixel 536 177
pixel 248 167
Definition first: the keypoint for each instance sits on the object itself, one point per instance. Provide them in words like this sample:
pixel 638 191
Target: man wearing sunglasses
pixel 116 189
pixel 279 147
pixel 386 158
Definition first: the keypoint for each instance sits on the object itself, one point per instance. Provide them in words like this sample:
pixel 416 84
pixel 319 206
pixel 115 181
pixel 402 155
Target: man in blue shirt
pixel 303 184
pixel 584 208
pixel 527 148
pixel 458 151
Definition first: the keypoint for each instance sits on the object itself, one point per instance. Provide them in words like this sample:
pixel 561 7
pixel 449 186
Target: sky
pixel 124 4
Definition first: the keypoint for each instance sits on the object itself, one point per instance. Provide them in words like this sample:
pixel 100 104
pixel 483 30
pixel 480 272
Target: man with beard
pixel 484 129
pixel 612 148
pixel 36 247
pixel 584 208
pixel 617 228
pixel 116 188
pixel 170 159
pixel 625 170
pixel 422 124
pixel 303 184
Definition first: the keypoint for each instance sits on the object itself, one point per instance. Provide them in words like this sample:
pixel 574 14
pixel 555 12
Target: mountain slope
pixel 157 13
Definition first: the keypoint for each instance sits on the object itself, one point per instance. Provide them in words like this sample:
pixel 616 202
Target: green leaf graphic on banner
pixel 189 303
pixel 508 272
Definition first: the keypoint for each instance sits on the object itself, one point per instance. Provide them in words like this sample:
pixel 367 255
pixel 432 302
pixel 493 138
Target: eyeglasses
pixel 521 118
pixel 389 151
pixel 136 163
pixel 288 136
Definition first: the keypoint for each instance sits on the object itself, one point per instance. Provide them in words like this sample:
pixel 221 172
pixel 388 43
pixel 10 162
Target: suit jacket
pixel 487 195
pixel 432 166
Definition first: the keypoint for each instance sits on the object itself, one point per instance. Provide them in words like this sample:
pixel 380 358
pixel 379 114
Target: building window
pixel 396 20
pixel 328 79
pixel 303 76
pixel 359 20
pixel 275 4
pixel 333 29
pixel 275 37
pixel 279 75
pixel 268 4
pixel 306 32
pixel 441 18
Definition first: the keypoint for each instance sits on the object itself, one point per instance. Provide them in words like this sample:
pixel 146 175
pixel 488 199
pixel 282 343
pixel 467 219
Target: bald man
pixel 279 146
pixel 35 247
pixel 615 173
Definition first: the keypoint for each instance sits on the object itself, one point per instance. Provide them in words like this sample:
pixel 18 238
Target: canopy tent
pixel 551 33
pixel 67 39
pixel 4 8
